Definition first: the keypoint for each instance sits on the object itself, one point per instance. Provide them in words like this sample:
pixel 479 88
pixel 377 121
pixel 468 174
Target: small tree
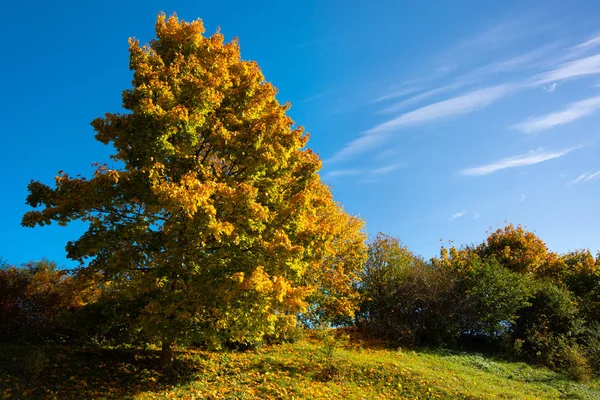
pixel 216 212
pixel 407 299
pixel 35 297
pixel 494 298
pixel 516 249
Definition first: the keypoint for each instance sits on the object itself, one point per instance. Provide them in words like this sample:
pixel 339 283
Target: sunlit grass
pixel 351 370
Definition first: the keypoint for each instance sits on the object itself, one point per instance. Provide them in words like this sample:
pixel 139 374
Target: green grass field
pixel 311 368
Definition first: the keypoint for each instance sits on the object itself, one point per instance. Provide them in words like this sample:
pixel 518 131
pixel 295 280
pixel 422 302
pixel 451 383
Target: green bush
pixel 590 341
pixel 575 363
pixel 408 300
pixel 550 325
pixel 494 297
pixel 109 321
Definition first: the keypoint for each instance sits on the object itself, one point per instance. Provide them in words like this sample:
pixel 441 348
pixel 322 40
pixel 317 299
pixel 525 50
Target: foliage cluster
pixel 36 298
pixel 508 294
pixel 213 217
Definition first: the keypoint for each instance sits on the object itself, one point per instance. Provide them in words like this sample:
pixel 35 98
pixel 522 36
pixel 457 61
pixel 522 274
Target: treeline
pixel 509 295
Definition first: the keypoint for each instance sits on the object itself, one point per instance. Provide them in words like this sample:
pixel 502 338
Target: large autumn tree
pixel 216 215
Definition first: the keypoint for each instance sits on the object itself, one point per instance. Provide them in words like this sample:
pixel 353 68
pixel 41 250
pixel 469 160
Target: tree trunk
pixel 167 356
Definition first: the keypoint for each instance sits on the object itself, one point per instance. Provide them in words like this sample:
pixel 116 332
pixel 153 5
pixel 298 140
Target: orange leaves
pixel 517 249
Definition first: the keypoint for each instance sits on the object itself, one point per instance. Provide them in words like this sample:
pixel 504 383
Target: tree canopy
pixel 216 212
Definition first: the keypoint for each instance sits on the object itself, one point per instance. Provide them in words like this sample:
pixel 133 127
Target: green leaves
pixel 216 182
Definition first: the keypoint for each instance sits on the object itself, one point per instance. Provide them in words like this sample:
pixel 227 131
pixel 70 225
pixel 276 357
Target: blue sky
pixel 435 120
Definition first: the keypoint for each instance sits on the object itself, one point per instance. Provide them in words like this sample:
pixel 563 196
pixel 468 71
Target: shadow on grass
pixel 63 372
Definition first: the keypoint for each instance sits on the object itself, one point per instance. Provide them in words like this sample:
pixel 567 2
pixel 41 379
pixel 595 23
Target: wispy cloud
pixel 527 60
pixel 457 215
pixel 422 96
pixel 355 147
pixel 387 169
pixel 581 48
pixel 588 44
pixel 344 172
pixel 365 173
pixel 522 198
pixel 572 69
pixel 504 33
pixel 396 93
pixel 458 105
pixel 313 98
pixel 586 177
pixel 476 215
pixel 387 153
pixel 530 158
pixel 551 64
pixel 572 112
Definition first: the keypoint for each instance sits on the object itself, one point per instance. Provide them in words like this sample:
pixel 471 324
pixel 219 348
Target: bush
pixel 575 363
pixel 494 297
pixel 549 326
pixel 590 340
pixel 111 320
pixel 408 300
pixel 34 299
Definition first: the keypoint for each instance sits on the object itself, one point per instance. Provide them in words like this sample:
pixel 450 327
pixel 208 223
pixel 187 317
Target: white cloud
pixel 572 69
pixel 571 113
pixel 591 43
pixel 313 98
pixel 457 215
pixel 530 158
pixel 586 177
pixel 554 63
pixel 387 169
pixel 458 105
pixel 344 172
pixel 579 49
pixel 423 96
pixel 366 173
pixel 356 146
pixel 395 94
pixel 522 198
pixel 476 215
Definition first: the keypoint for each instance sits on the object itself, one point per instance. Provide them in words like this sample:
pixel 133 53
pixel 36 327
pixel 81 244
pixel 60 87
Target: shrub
pixel 408 300
pixel 550 325
pixel 590 340
pixel 494 297
pixel 575 363
pixel 34 299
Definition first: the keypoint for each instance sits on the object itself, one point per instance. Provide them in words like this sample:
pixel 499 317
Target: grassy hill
pixel 312 368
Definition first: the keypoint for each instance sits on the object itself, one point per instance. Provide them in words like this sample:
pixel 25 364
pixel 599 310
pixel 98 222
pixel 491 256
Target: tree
pixel 406 299
pixel 35 297
pixel 217 211
pixel 494 297
pixel 516 249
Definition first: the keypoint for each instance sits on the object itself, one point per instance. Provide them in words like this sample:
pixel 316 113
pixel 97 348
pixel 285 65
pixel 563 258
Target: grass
pixel 313 368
